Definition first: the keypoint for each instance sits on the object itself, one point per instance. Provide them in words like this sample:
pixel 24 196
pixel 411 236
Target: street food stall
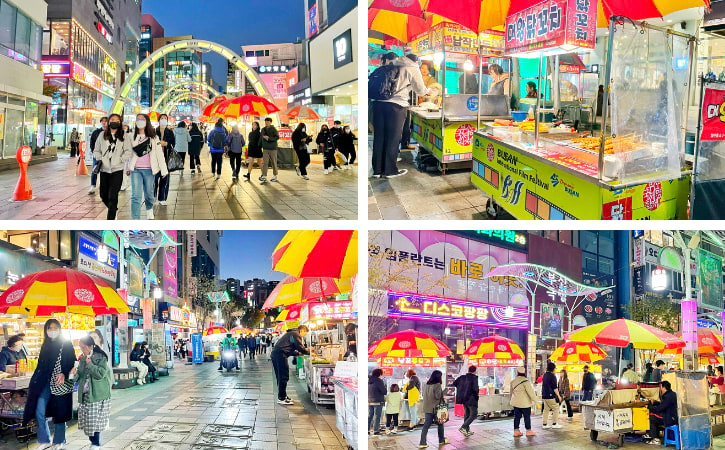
pixel 539 169
pixel 212 338
pixel 573 356
pixel 346 397
pixel 457 66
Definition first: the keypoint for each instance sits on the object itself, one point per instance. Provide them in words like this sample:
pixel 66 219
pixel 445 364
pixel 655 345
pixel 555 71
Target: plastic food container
pixel 519 116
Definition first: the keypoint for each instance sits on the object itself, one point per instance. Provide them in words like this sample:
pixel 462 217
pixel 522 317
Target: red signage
pixel 341 310
pixel 713 115
pixel 552 24
pixel 285 134
pixel 569 68
pixel 85 77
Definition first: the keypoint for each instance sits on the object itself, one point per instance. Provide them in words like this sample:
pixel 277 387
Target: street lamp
pixel 158 293
pixel 447 331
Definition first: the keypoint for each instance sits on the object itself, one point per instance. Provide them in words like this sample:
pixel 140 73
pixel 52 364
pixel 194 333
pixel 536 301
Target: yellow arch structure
pixel 160 101
pixel 182 96
pixel 189 44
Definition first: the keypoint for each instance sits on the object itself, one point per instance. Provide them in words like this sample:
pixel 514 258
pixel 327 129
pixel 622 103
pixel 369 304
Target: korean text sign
pixel 713 115
pixel 551 24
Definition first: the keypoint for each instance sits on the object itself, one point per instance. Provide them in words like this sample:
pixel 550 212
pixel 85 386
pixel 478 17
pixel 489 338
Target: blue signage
pixel 90 248
pixel 701 323
pixel 472 103
pixel 132 322
pixel 197 348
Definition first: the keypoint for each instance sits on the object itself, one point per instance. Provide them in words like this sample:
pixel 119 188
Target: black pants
pixel 469 415
pixel 183 354
pixel 405 139
pixel 194 160
pixel 391 419
pixel 349 154
pixel 526 413
pixel 429 418
pixel 329 158
pixel 569 411
pixel 388 121
pixel 182 155
pixel 304 158
pixel 252 351
pixel 109 189
pixel 152 369
pixel 74 149
pixel 216 163
pixel 281 372
pixel 654 425
pixel 235 160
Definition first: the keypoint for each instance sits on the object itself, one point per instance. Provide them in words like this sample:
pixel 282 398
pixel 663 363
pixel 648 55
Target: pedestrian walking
pixel 565 392
pixel 94 378
pixel 167 142
pixel 347 146
pixel 300 143
pixel 136 358
pixel 146 162
pixel 411 395
pixel 392 409
pixel 75 142
pixel 195 146
pixel 182 139
pixel 242 343
pixel 259 344
pixel 467 395
pixel 269 139
pixel 254 150
pixel 551 396
pixel 94 137
pixel 235 142
pixel 182 349
pixel 432 397
pixel 389 115
pixel 252 346
pixel 290 344
pixel 50 393
pixel 522 397
pixel 112 152
pixel 335 132
pixel 376 400
pixel 216 139
pixel 325 143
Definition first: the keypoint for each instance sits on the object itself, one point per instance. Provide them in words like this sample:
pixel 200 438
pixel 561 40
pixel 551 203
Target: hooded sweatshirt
pixel 409 79
pixel 235 141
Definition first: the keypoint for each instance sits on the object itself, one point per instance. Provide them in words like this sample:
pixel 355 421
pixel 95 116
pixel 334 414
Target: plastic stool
pixel 676 438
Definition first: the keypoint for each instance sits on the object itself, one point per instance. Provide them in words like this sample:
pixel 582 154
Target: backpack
pixel 217 141
pixel 382 82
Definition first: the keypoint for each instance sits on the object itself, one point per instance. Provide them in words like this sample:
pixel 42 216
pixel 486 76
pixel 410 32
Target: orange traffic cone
pixel 23 191
pixel 82 169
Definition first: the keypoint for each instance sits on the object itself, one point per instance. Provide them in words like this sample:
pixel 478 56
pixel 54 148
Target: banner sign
pixel 170 281
pixel 713 115
pixel 197 348
pixel 552 24
pixel 191 243
pixel 603 306
pixel 710 277
pixel 412 362
pixel 135 275
pixel 331 310
pixel 437 309
pixel 312 25
pixel 495 362
pixel 552 321
pixel 147 307
pixel 88 260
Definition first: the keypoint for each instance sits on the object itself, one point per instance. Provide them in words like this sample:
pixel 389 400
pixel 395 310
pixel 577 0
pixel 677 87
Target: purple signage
pixel 170 281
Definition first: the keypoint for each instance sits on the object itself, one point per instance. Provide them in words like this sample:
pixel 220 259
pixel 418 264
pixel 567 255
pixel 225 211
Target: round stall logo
pixel 472 103
pixel 490 152
pixel 652 195
pixel 570 350
pixel 501 348
pixel 464 135
pixel 404 344
pixel 14 296
pixel 83 295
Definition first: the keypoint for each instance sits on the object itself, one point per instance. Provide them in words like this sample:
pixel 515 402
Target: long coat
pixel 60 408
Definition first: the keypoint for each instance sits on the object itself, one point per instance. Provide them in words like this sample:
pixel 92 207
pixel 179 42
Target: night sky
pixel 231 23
pixel 248 254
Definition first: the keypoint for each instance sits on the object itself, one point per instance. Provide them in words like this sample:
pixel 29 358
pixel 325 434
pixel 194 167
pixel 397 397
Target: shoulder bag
pixel 65 388
pixel 441 412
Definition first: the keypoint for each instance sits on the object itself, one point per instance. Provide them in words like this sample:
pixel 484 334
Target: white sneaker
pixel 150 214
pixel 274 179
pixel 546 427
pixel 163 202
pixel 305 177
pixel 556 426
pixel 58 446
pixel 297 169
pixel 285 402
pixel 91 190
pixel 124 186
pixel 95 447
pixel 326 172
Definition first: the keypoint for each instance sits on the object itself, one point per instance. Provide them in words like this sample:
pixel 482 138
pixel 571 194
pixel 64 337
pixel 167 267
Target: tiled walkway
pixel 60 194
pixel 199 408
pixel 424 196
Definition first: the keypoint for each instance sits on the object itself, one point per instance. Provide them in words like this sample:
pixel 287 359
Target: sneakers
pixel 247 176
pixel 274 179
pixel 287 399
pixel 305 177
pixel 285 402
pixel 326 172
pixel 263 180
pixel 219 368
pixel 423 446
pixel 394 430
pixel 193 171
pixel 444 441
pixel 556 426
pixel 400 172
pixel 518 433
pixel 463 431
pixel 91 190
pixel 655 441
pixel 545 426
pixel 218 177
pixel 297 169
pixel 376 175
pixel 163 202
pixel 530 433
pixel 150 214
pixel 95 447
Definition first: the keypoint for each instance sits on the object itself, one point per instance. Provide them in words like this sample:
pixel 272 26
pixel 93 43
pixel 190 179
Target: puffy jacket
pixel 158 163
pixel 99 376
pixel 409 79
pixel 392 402
pixel 182 139
pixel 522 392
pixel 666 408
pixel 116 160
pixel 271 133
pixel 254 140
pixel 235 141
pixel 346 141
pixel 290 344
pixel 325 138
pixel 466 389
pixel 211 136
pixel 376 391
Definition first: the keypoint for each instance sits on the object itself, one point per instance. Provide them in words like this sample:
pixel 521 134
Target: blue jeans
pixel 429 419
pixel 93 174
pixel 375 416
pixel 95 438
pixel 142 188
pixel 43 428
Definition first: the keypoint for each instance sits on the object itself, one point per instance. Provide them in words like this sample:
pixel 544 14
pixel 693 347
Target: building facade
pixel 150 29
pixel 174 69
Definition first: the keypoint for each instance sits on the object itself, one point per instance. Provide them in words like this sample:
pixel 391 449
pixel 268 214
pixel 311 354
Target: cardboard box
pixel 613 420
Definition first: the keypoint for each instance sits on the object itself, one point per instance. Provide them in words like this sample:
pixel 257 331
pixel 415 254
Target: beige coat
pixel 522 393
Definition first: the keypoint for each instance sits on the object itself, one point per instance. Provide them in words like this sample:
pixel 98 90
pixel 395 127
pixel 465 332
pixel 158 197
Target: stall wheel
pixel 593 435
pixel 492 208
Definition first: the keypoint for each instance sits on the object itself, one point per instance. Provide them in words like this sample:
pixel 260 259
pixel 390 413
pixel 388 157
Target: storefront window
pixel 8 16
pixel 59 38
pixel 22 37
pixel 88 54
pixel 13 137
pixel 37 240
pixel 66 247
pixel 31 124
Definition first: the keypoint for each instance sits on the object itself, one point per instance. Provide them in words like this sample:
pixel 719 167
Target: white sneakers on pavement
pixel 285 402
pixel 274 179
pixel 556 426
pixel 91 190
pixel 163 202
pixel 150 214
pixel 305 177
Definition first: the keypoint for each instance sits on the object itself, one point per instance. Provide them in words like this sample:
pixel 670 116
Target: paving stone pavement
pixel 60 194
pixel 200 408
pixel 424 196
pixel 496 434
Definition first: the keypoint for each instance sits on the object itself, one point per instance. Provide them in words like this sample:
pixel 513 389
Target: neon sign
pixel 438 309
pixel 331 310
pixel 495 362
pixel 515 240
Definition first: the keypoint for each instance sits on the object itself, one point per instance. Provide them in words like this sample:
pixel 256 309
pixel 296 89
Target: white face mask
pixel 141 124
pixel 18 347
pixel 53 334
pixel 163 122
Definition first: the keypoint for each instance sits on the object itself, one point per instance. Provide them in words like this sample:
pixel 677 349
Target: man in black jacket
pixel 290 344
pixel 662 413
pixel 94 136
pixel 589 382
pixel 467 395
pixel 550 395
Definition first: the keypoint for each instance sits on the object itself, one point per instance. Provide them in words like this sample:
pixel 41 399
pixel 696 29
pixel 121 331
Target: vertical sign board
pixel 197 348
pixel 191 242
pixel 147 307
pixel 710 277
pixel 170 281
pixel 157 344
pixel 312 24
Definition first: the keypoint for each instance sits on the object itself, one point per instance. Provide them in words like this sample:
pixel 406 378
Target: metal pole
pixel 538 101
pixel 696 151
pixel 605 97
pixel 480 83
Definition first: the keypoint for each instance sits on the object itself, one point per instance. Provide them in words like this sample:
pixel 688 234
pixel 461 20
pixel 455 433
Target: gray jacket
pixel 432 396
pixel 113 161
pixel 182 140
pixel 410 79
pixel 235 141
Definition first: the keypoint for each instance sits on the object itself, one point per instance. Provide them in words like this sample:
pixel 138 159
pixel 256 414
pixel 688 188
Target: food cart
pixel 346 393
pixel 619 412
pixel 633 169
pixel 457 63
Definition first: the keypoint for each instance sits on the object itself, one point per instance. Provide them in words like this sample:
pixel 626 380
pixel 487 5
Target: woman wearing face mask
pixel 300 142
pixel 254 150
pixel 11 353
pixel 112 152
pixel 327 146
pixel 146 162
pixel 94 379
pixel 168 142
pixel 55 362
pixel 347 145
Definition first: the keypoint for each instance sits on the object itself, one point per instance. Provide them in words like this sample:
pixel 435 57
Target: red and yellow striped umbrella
pixel 708 342
pixel 300 112
pixel 401 26
pixel 215 330
pixel 408 344
pixel 240 330
pixel 315 253
pixel 293 290
pixel 494 347
pixel 290 312
pixel 578 352
pixel 211 107
pixel 61 290
pixel 246 105
pixel 622 332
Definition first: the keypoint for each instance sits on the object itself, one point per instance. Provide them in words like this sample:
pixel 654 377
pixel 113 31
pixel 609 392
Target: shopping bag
pixel 340 158
pixel 441 412
pixel 175 162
